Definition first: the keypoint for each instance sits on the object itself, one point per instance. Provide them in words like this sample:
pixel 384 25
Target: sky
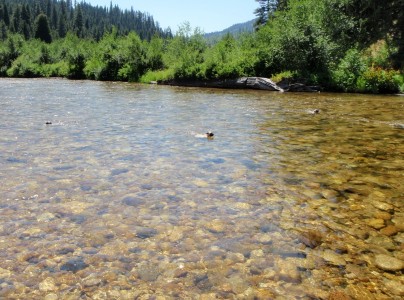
pixel 208 15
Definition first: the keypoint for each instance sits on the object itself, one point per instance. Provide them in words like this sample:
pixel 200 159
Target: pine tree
pixel 16 20
pixel 62 30
pixel 267 8
pixel 78 22
pixel 42 30
pixel 25 25
pixel 3 30
pixel 54 18
pixel 49 9
pixel 4 16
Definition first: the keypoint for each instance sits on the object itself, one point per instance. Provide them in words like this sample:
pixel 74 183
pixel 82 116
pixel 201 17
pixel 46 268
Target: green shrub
pixel 162 75
pixel 400 81
pixel 59 69
pixel 94 68
pixel 378 55
pixel 378 80
pixel 349 69
pixel 24 67
pixel 286 75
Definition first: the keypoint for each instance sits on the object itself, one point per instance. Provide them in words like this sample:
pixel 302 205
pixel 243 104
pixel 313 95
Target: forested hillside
pixel 341 45
pixel 235 30
pixel 62 16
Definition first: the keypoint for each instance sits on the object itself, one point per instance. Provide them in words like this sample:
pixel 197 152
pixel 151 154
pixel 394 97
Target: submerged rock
pixel 74 265
pixel 388 263
pixel 145 232
pixel 311 238
pixel 132 201
pixel 333 258
pixel 48 285
pixel 389 230
pixel 376 223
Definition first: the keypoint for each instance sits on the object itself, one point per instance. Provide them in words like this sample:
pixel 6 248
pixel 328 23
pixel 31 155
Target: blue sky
pixel 208 15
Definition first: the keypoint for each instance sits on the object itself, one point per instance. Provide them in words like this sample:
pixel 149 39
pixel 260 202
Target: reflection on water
pixel 119 198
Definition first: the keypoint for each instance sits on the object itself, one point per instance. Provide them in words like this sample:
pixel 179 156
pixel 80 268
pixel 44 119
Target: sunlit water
pixel 120 197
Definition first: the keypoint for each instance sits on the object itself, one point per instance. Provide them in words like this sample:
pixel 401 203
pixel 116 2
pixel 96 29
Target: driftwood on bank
pixel 255 83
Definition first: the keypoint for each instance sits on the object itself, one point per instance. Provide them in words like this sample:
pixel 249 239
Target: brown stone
pixel 311 238
pixel 388 263
pixel 338 295
pixel 180 273
pixel 389 230
pixel 376 223
pixel 383 215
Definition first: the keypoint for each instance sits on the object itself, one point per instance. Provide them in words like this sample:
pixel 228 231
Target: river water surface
pixel 121 198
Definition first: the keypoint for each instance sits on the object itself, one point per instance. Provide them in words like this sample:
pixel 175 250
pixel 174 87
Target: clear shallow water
pixel 119 198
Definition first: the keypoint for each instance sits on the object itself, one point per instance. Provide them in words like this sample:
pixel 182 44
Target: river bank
pixel 254 83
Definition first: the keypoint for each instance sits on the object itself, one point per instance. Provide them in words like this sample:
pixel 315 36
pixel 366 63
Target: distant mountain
pixel 235 30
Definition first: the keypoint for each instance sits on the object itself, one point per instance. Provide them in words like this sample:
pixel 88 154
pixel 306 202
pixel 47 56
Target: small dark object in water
pixel 209 134
pixel 316 111
pixel 74 265
pixel 48 123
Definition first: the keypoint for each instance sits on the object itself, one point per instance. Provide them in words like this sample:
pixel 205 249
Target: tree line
pixel 342 45
pixel 52 19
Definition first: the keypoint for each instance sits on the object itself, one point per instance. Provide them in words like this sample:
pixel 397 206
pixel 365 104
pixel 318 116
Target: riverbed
pixel 112 191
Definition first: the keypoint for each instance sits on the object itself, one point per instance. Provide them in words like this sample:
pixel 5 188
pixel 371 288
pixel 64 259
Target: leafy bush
pixel 378 55
pixel 24 67
pixel 378 80
pixel 349 69
pixel 286 75
pixel 185 53
pixel 162 75
pixel 400 81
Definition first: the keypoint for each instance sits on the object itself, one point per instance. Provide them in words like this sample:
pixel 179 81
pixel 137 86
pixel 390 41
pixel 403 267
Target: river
pixel 122 196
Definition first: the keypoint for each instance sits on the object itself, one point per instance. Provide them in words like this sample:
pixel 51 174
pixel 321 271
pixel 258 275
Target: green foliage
pixel 75 53
pixel 78 23
pixel 9 51
pixel 23 67
pixel 3 31
pixel 367 71
pixel 157 76
pixel 227 59
pixel 377 80
pixel 286 75
pixel 185 53
pixel 399 79
pixel 120 58
pixel 378 55
pixel 350 68
pixel 154 53
pixel 83 19
pixel 295 40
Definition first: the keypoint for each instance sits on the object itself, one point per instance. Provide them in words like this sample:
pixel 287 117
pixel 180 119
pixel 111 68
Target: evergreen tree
pixel 25 25
pixel 3 30
pixel 78 22
pixel 82 18
pixel 49 9
pixel 37 9
pixel 4 13
pixel 42 30
pixel 267 7
pixel 62 30
pixel 16 20
pixel 54 18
